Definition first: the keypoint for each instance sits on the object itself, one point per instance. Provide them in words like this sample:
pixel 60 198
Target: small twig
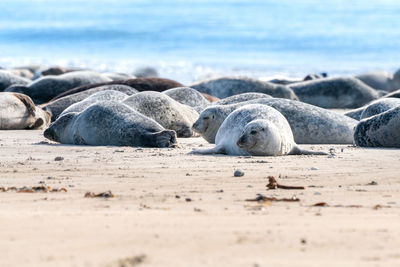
pixel 261 198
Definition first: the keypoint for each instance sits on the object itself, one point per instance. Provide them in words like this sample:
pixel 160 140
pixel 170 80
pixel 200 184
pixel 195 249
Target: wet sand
pixel 175 209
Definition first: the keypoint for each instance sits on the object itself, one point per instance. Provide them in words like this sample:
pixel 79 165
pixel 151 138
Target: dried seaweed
pixel 33 189
pixel 107 194
pixel 273 184
pixel 261 198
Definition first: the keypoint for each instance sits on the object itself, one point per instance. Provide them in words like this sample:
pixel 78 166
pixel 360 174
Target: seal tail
pixel 298 151
pixel 215 150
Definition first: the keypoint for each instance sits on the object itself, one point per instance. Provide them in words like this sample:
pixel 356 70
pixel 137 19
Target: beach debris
pixel 262 198
pixel 188 199
pixel 238 173
pixel 33 189
pixel 132 261
pixel 320 204
pixel 58 158
pixel 314 168
pixel 107 194
pixel 220 191
pixel 273 184
pixel 372 183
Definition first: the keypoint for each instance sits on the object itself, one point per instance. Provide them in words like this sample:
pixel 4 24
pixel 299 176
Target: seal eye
pixel 262 129
pixel 206 118
pixel 253 132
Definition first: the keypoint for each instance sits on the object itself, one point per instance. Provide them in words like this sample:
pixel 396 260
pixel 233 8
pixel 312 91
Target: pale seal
pixel 188 96
pixel 335 92
pixel 107 95
pixel 109 123
pixel 8 78
pixel 241 98
pixel 59 105
pixel 229 86
pixel 257 130
pixel 166 111
pixel 310 124
pixel 17 111
pixel 381 130
pixel 47 87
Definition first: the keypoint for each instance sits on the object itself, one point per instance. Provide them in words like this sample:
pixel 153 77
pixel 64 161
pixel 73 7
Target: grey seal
pixel 381 130
pixel 241 98
pixel 107 95
pixel 228 86
pixel 8 78
pixel 375 107
pixel 166 111
pixel 57 106
pixel 341 92
pixel 188 96
pixel 17 111
pixel 381 80
pixel 47 87
pixel 257 130
pixel 310 124
pixel 109 123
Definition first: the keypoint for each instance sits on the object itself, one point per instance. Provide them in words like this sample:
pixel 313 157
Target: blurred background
pixel 188 40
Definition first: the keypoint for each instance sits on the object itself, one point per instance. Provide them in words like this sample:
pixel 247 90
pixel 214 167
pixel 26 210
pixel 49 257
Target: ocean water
pixel 189 40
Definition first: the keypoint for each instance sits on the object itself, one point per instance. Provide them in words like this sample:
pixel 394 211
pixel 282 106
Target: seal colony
pixel 241 115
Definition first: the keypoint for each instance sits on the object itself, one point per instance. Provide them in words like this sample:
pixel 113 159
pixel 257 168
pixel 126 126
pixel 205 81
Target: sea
pixel 189 40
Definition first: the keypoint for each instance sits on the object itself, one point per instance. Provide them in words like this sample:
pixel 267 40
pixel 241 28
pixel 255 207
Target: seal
pixel 57 106
pixel 375 107
pixel 107 95
pixel 256 130
pixel 229 86
pixel 47 87
pixel 17 111
pixel 341 92
pixel 381 80
pixel 166 111
pixel 381 130
pixel 8 78
pixel 118 76
pixel 109 123
pixel 394 94
pixel 310 124
pixel 241 98
pixel 188 96
pixel 140 84
pixel 379 106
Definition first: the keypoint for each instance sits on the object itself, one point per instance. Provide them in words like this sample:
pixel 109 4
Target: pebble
pixel 58 158
pixel 314 168
pixel 238 173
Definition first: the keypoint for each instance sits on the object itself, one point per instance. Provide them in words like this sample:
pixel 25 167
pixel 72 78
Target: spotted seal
pixel 188 96
pixel 107 95
pixel 310 124
pixel 339 92
pixel 381 80
pixel 381 130
pixel 109 123
pixel 166 111
pixel 241 98
pixel 229 86
pixel 17 111
pixel 8 78
pixel 59 105
pixel 375 107
pixel 47 87
pixel 257 130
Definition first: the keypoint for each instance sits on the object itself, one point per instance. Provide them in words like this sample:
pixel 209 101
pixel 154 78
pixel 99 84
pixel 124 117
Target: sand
pixel 175 209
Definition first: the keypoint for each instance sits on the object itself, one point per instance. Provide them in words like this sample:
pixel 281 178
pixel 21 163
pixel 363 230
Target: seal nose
pixel 49 133
pixel 185 132
pixel 241 141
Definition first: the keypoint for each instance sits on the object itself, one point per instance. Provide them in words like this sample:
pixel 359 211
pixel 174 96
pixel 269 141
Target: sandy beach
pixel 174 209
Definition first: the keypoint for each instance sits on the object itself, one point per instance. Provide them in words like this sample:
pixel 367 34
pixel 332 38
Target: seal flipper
pixel 215 150
pixel 27 101
pixel 298 151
